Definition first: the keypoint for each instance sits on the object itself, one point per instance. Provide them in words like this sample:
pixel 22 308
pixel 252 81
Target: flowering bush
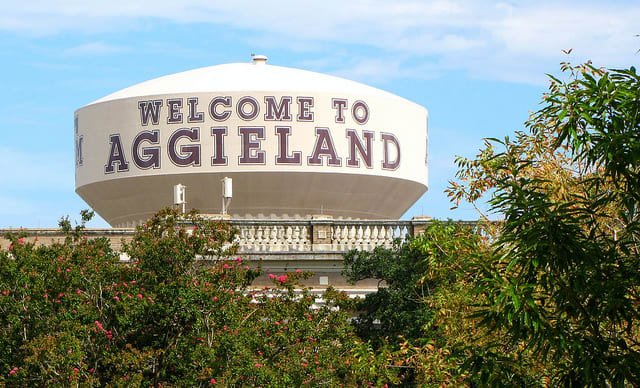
pixel 180 313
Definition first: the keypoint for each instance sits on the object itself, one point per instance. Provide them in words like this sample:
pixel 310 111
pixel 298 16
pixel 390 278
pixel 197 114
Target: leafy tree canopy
pixel 72 314
pixel 564 281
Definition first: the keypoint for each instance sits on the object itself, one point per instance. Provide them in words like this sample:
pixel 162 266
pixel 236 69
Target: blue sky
pixel 477 66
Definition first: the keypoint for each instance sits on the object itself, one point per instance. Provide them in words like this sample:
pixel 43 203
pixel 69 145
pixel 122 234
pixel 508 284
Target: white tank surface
pixel 294 142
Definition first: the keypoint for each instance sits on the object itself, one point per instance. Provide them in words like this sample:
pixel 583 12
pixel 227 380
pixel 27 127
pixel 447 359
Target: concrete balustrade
pixel 284 245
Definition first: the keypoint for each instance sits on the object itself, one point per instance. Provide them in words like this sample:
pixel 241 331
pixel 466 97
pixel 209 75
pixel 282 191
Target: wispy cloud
pixel 486 39
pixel 95 48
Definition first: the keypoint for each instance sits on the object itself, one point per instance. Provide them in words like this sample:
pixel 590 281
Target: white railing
pixel 309 235
pixel 366 235
pixel 273 236
pixel 322 234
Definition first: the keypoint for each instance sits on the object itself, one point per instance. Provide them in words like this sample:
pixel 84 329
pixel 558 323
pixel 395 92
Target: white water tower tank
pixel 295 143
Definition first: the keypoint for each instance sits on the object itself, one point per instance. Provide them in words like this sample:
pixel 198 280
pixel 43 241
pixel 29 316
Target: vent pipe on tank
pixel 227 193
pixel 259 59
pixel 179 196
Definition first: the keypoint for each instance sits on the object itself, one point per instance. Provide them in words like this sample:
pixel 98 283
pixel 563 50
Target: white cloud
pixel 95 48
pixel 488 40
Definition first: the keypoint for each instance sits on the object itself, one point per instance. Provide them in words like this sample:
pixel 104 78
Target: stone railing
pixel 366 235
pixel 321 234
pixel 274 235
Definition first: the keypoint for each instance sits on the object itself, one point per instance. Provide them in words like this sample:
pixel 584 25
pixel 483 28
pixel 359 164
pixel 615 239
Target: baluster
pixel 251 238
pixel 367 236
pixel 266 240
pixel 344 235
pixel 282 237
pixel 351 237
pixel 240 238
pixel 374 235
pixel 389 239
pixel 359 234
pixel 304 241
pixel 258 243
pixel 289 239
pixel 273 238
pixel 296 237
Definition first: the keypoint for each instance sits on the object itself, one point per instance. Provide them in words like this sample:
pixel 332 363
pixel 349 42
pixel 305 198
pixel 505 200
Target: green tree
pixel 180 313
pixel 563 283
pixel 422 301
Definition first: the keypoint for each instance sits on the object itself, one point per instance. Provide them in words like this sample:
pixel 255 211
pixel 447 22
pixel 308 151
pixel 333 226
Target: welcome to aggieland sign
pixel 183 146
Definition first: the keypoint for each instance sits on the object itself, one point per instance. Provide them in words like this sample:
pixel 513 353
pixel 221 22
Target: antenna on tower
pixel 179 196
pixel 227 193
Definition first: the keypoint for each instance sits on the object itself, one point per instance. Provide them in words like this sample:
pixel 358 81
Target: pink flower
pixel 298 271
pixel 271 276
pixel 215 298
pixel 10 247
pixel 21 241
pixel 282 278
pixel 75 369
pixel 116 298
pixel 225 266
pixel 213 381
pixel 139 296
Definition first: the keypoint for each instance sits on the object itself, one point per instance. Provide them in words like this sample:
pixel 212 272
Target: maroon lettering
pixel 194 115
pixel 149 109
pixel 283 148
pixel 79 159
pixel 304 108
pixel 213 112
pixel 253 111
pixel 360 112
pixel 386 139
pixel 251 152
pixel 116 156
pixel 275 111
pixel 79 140
pixel 150 156
pixel 218 158
pixel 356 144
pixel 174 105
pixel 339 104
pixel 189 155
pixel 324 147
